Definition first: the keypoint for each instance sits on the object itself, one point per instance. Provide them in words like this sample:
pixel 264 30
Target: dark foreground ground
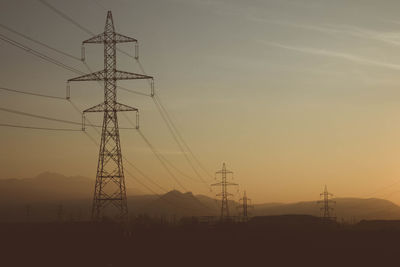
pixel 266 241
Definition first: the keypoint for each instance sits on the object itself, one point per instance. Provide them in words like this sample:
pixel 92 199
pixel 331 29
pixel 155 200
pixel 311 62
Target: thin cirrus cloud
pixel 392 38
pixel 334 54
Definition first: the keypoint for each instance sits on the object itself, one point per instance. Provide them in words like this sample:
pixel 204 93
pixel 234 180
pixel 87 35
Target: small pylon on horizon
pixel 244 206
pixel 224 194
pixel 327 211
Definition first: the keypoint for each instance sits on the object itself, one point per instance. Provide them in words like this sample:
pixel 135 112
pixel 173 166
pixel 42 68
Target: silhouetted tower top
pixel 224 194
pixel 327 210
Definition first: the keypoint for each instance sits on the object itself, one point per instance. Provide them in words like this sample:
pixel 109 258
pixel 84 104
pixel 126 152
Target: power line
pixel 80 113
pixel 39 116
pixel 74 22
pixel 39 54
pixel 167 120
pixel 141 183
pixel 162 107
pixel 118 86
pixel 155 152
pixel 90 33
pixel 39 128
pixel 169 123
pixel 31 93
pixel 177 141
pixel 96 144
pixel 133 91
pixel 161 159
pixel 158 100
pixel 38 42
pixel 165 159
pixel 171 127
pixel 51 118
pixel 146 176
pixel 66 17
pixel 52 60
pixel 161 197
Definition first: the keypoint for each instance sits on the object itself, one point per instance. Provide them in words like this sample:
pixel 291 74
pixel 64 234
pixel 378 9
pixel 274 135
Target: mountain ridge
pixel 48 190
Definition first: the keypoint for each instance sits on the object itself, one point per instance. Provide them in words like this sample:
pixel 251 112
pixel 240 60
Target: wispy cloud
pixel 334 54
pixel 392 38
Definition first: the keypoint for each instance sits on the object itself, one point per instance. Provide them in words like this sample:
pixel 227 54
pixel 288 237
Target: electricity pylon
pixel 110 181
pixel 244 206
pixel 224 190
pixel 327 210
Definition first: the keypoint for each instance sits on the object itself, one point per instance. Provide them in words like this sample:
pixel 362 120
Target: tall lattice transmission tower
pixel 327 211
pixel 110 190
pixel 244 206
pixel 224 190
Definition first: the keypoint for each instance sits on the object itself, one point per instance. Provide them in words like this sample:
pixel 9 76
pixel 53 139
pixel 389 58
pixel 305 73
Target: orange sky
pixel 292 95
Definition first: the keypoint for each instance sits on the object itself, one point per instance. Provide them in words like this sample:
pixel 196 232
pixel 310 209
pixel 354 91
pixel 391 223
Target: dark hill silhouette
pixel 350 209
pixel 46 186
pixel 46 192
pixel 175 203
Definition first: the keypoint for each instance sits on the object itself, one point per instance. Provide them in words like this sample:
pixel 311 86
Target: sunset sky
pixel 291 94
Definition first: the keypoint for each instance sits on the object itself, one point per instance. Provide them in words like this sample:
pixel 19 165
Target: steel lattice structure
pixel 327 210
pixel 244 206
pixel 224 190
pixel 110 181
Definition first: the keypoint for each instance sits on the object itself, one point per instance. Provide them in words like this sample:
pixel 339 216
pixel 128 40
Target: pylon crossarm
pixel 95 76
pixel 124 75
pixel 98 39
pixel 98 108
pixel 123 107
pixel 103 107
pixel 224 194
pixel 216 184
pixel 120 38
pixel 223 171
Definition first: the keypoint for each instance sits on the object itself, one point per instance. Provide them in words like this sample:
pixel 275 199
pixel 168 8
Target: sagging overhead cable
pixel 39 128
pixel 30 93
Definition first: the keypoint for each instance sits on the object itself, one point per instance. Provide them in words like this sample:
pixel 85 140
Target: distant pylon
pixel 224 190
pixel 327 211
pixel 244 206
pixel 110 181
